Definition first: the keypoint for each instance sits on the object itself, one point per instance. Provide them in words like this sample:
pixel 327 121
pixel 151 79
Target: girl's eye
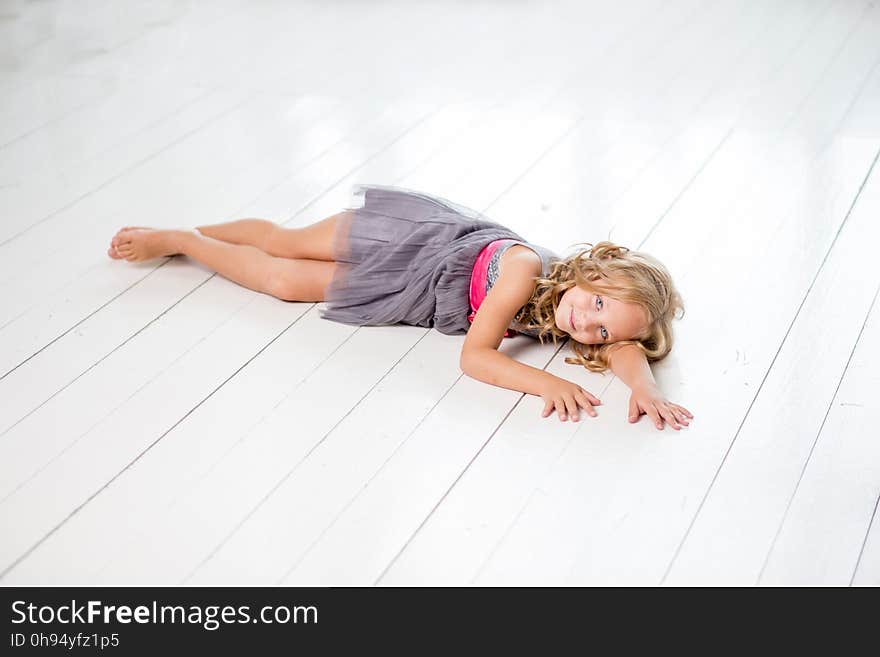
pixel 599 302
pixel 604 333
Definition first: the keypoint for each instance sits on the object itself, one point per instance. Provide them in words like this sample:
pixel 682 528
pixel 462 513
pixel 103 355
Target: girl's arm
pixel 481 360
pixel 629 364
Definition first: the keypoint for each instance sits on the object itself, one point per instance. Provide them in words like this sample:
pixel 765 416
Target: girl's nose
pixel 585 322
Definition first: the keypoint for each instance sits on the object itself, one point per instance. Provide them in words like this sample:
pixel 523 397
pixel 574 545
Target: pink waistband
pixel 480 274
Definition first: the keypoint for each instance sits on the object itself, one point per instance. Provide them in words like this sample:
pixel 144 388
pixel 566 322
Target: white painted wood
pixel 71 400
pixel 472 518
pixel 28 339
pixel 44 101
pixel 273 134
pixel 19 330
pixel 736 525
pixel 202 516
pixel 52 38
pixel 187 377
pixel 53 151
pixel 328 479
pixel 469 524
pixel 290 500
pixel 11 481
pixel 868 569
pixel 226 437
pixel 36 340
pixel 86 292
pixel 619 556
pixel 825 525
pixel 197 444
pixel 423 465
pixel 630 518
pixel 324 563
pixel 324 178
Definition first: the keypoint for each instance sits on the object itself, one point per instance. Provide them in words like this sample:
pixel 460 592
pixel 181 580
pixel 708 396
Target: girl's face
pixel 595 318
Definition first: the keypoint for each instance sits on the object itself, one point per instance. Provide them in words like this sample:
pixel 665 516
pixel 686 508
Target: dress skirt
pixel 404 257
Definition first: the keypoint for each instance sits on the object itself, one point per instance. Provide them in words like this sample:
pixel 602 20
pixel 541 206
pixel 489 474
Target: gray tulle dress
pixel 405 257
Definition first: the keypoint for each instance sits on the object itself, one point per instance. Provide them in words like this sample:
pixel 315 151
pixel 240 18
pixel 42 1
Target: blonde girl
pixel 401 256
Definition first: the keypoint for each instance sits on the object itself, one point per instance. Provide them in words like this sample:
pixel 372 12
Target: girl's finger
pixel 634 412
pixel 548 408
pixel 572 406
pixel 651 410
pixel 681 417
pixel 669 416
pixel 584 401
pixel 685 411
pixel 560 409
pixel 594 400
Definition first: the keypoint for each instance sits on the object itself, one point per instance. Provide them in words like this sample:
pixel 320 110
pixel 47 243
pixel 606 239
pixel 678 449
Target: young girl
pixel 400 256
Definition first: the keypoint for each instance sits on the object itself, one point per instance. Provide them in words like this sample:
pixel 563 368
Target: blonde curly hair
pixel 618 272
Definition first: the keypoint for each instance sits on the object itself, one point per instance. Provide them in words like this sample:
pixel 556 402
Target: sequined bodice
pixel 492 272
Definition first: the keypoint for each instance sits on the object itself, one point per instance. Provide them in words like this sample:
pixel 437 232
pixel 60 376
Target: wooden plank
pixel 392 160
pixel 22 457
pixel 25 331
pixel 868 568
pixel 323 484
pixel 44 101
pixel 30 204
pixel 649 500
pixel 64 85
pixel 632 496
pixel 795 168
pixel 480 508
pixel 44 377
pixel 117 117
pixel 32 322
pixel 397 164
pixel 285 541
pixel 205 344
pixel 53 234
pixel 325 563
pixel 379 134
pixel 734 530
pixel 827 516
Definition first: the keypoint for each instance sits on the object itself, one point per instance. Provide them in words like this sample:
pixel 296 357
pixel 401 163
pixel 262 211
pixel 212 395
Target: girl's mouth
pixel 571 319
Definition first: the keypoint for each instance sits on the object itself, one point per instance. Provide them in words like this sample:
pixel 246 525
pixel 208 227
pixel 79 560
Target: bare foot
pixel 112 252
pixel 139 243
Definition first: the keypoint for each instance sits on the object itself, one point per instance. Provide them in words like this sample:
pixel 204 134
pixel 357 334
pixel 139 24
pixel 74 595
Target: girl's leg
pixel 253 232
pixel 314 242
pixel 242 231
pixel 285 278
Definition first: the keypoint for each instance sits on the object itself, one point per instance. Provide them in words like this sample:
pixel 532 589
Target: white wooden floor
pixel 160 424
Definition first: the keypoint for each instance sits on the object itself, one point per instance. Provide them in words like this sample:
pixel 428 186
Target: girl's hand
pixel 650 401
pixel 565 397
